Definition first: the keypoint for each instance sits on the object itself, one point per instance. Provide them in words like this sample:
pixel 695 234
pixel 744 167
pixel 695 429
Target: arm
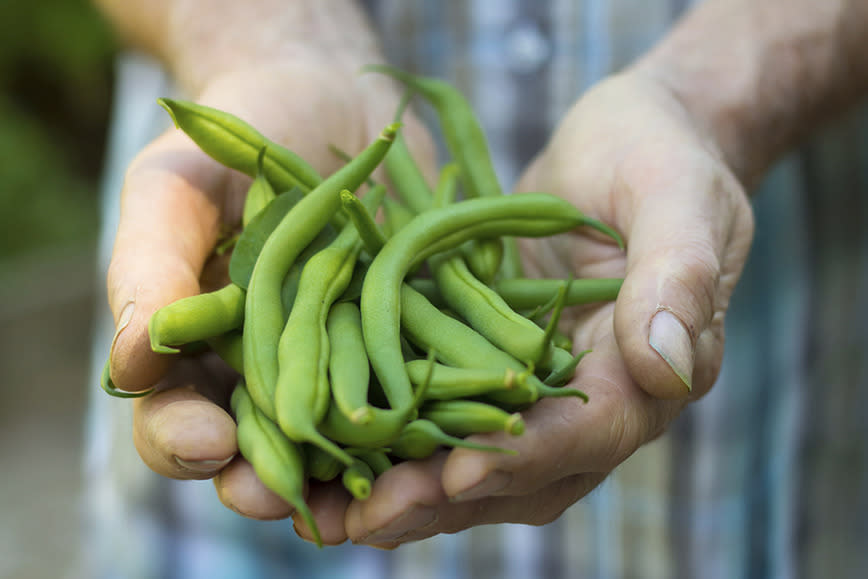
pixel 760 76
pixel 200 40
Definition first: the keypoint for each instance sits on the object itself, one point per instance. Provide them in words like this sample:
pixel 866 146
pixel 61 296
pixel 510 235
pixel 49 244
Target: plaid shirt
pixel 755 480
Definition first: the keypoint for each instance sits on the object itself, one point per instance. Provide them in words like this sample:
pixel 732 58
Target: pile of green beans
pixel 359 342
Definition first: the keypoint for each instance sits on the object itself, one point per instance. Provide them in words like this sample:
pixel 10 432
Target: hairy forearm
pixel 199 40
pixel 760 75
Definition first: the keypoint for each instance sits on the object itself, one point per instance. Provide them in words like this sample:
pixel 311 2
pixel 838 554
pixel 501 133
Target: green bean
pixel 422 437
pixel 429 289
pixel 450 382
pixel 524 294
pixel 289 288
pixel 363 220
pixel 349 369
pixel 489 314
pixel 358 478
pixel 466 141
pixel 380 427
pixel 234 143
pixel 466 417
pixel 259 194
pixel 302 392
pixel 264 316
pixel 562 375
pixel 458 345
pixel 436 230
pixel 196 318
pixel 257 231
pixel 396 216
pixel 562 341
pixel 383 425
pixel 410 184
pixel 447 185
pixel 229 348
pixel 278 462
pixel 346 158
pixel 321 465
pixel 375 458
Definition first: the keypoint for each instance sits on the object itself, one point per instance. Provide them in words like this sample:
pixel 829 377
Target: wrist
pixel 208 40
pixel 760 76
pixel 717 86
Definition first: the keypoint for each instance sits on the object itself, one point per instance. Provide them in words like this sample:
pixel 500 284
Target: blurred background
pixel 55 89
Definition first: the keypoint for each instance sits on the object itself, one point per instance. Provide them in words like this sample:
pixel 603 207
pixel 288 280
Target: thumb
pixel 168 225
pixel 688 242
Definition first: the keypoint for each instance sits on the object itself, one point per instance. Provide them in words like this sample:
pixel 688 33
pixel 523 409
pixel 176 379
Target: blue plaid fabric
pixel 763 478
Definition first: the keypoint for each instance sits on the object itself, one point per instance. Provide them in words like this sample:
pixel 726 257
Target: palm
pixel 625 154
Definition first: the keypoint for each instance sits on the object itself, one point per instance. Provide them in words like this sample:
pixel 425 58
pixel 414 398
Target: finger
pixel 168 225
pixel 239 489
pixel 180 431
pixel 538 508
pixel 328 503
pixel 565 437
pixel 406 495
pixel 689 235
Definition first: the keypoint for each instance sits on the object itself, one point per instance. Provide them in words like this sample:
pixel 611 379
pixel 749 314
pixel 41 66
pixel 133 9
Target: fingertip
pixel 182 435
pixel 657 318
pixel 668 337
pixel 328 503
pixel 240 490
pixel 661 358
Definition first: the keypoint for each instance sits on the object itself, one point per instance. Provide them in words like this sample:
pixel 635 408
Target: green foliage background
pixel 55 97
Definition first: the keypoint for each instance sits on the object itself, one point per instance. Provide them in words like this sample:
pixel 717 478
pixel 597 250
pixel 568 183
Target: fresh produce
pixel 362 343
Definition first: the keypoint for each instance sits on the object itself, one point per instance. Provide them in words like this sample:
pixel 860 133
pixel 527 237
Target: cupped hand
pixel 176 204
pixel 629 154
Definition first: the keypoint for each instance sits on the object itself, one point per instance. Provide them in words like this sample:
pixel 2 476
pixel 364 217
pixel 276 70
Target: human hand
pixel 628 154
pixel 176 204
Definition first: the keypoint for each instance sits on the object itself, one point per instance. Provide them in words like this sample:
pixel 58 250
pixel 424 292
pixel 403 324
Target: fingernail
pixel 415 518
pixel 670 339
pixel 124 320
pixel 494 482
pixel 202 466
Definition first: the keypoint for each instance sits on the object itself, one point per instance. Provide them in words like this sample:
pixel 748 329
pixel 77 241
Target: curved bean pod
pixel 450 382
pixel 526 294
pixel 234 143
pixel 302 392
pixel 264 316
pixel 466 417
pixel 440 229
pixel 278 462
pixel 196 318
pixel 422 437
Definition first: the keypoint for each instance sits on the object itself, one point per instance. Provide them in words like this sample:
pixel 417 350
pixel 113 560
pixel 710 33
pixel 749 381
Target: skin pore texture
pixel 664 150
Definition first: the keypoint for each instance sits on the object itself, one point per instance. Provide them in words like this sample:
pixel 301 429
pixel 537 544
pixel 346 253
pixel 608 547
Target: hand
pixel 176 203
pixel 628 154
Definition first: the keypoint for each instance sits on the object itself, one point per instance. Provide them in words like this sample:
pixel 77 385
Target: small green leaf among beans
pixel 361 344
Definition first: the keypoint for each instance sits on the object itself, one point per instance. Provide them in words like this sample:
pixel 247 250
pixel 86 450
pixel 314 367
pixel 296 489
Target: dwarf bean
pixel 422 437
pixel 436 230
pixel 236 144
pixel 277 461
pixel 466 417
pixel 264 316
